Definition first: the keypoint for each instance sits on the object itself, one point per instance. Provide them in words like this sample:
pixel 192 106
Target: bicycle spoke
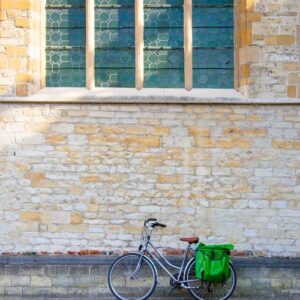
pixel 126 286
pixel 210 291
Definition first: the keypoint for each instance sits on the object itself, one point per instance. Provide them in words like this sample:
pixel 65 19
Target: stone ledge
pixel 151 96
pixel 250 262
pixel 73 279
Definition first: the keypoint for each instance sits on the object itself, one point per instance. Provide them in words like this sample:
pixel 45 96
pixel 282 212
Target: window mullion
pixel 188 44
pixel 139 44
pixel 43 43
pixel 90 44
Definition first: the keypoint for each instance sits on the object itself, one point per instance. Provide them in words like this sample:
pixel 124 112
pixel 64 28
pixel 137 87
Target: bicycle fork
pixel 138 268
pixel 142 250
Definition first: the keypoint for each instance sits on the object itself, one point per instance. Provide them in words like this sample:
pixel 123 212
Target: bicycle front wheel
pixel 209 290
pixel 132 277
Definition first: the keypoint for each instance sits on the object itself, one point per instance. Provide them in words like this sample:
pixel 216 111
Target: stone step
pixel 98 298
pixel 173 297
pixel 86 279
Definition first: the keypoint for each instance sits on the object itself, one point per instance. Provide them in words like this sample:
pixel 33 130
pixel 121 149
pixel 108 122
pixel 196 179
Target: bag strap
pixel 225 252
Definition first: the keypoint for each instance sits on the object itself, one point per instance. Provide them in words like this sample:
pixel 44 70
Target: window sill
pixel 131 95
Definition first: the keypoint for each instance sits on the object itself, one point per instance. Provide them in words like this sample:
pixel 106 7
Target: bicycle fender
pixel 186 267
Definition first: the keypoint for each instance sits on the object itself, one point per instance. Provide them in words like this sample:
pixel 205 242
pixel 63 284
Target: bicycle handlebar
pixel 155 223
pixel 150 220
pixel 159 224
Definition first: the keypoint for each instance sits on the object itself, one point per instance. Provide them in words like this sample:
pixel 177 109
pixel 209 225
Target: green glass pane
pixel 212 17
pixel 213 42
pixel 114 17
pixel 114 2
pixel 213 37
pixel 164 78
pixel 163 17
pixel 65 78
pixel 115 58
pixel 164 59
pixel 163 28
pixel 163 37
pixel 115 77
pixel 65 59
pixel 66 2
pixel 162 2
pixel 115 37
pixel 65 18
pixel 115 42
pixel 212 2
pixel 66 37
pixel 212 58
pixel 65 28
pixel 213 78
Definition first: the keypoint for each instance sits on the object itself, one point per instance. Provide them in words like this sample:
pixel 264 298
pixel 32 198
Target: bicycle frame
pixel 181 269
pixel 138 265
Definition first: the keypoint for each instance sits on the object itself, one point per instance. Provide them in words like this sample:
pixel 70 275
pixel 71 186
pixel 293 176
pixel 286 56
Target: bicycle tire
pixel 125 290
pixel 205 293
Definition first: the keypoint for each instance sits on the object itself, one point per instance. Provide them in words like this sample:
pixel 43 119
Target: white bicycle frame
pixel 181 269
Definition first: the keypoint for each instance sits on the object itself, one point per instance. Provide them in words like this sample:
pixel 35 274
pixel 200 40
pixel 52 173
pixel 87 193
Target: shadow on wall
pixel 76 177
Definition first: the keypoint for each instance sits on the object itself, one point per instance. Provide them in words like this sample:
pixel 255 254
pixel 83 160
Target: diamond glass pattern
pixel 65 36
pixel 217 58
pixel 212 2
pixel 213 78
pixel 114 40
pixel 213 42
pixel 65 18
pixel 162 2
pixel 66 2
pixel 114 2
pixel 163 40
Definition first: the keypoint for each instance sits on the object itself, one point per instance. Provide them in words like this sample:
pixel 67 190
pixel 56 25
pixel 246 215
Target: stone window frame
pixel 244 55
pixel 139 70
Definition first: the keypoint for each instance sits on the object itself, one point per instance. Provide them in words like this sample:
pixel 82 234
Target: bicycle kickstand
pixel 172 290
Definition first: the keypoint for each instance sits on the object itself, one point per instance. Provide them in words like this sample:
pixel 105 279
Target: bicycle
pixel 134 275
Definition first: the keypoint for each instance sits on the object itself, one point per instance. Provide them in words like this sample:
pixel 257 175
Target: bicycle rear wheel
pixel 132 277
pixel 210 291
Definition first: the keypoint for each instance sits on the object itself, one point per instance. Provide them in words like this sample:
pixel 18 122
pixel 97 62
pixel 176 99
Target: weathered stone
pixel 86 128
pixel 40 281
pixel 169 179
pixel 77 218
pixel 54 139
pixel 232 163
pixel 36 178
pixel 30 216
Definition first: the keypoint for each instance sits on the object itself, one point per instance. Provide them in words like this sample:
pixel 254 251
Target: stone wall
pixel 86 277
pixel 267 43
pixel 270 48
pixel 84 177
pixel 20 45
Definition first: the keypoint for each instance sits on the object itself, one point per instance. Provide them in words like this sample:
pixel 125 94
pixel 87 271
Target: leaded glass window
pixel 164 39
pixel 115 43
pixel 65 43
pixel 213 51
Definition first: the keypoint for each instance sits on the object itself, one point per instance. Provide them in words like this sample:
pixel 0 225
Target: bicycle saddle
pixel 190 240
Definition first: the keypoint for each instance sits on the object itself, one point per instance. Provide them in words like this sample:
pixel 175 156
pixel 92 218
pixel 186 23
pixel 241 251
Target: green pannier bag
pixel 212 262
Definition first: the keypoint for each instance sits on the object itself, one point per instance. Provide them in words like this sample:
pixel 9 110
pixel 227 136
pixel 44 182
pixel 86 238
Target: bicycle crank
pixel 175 284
